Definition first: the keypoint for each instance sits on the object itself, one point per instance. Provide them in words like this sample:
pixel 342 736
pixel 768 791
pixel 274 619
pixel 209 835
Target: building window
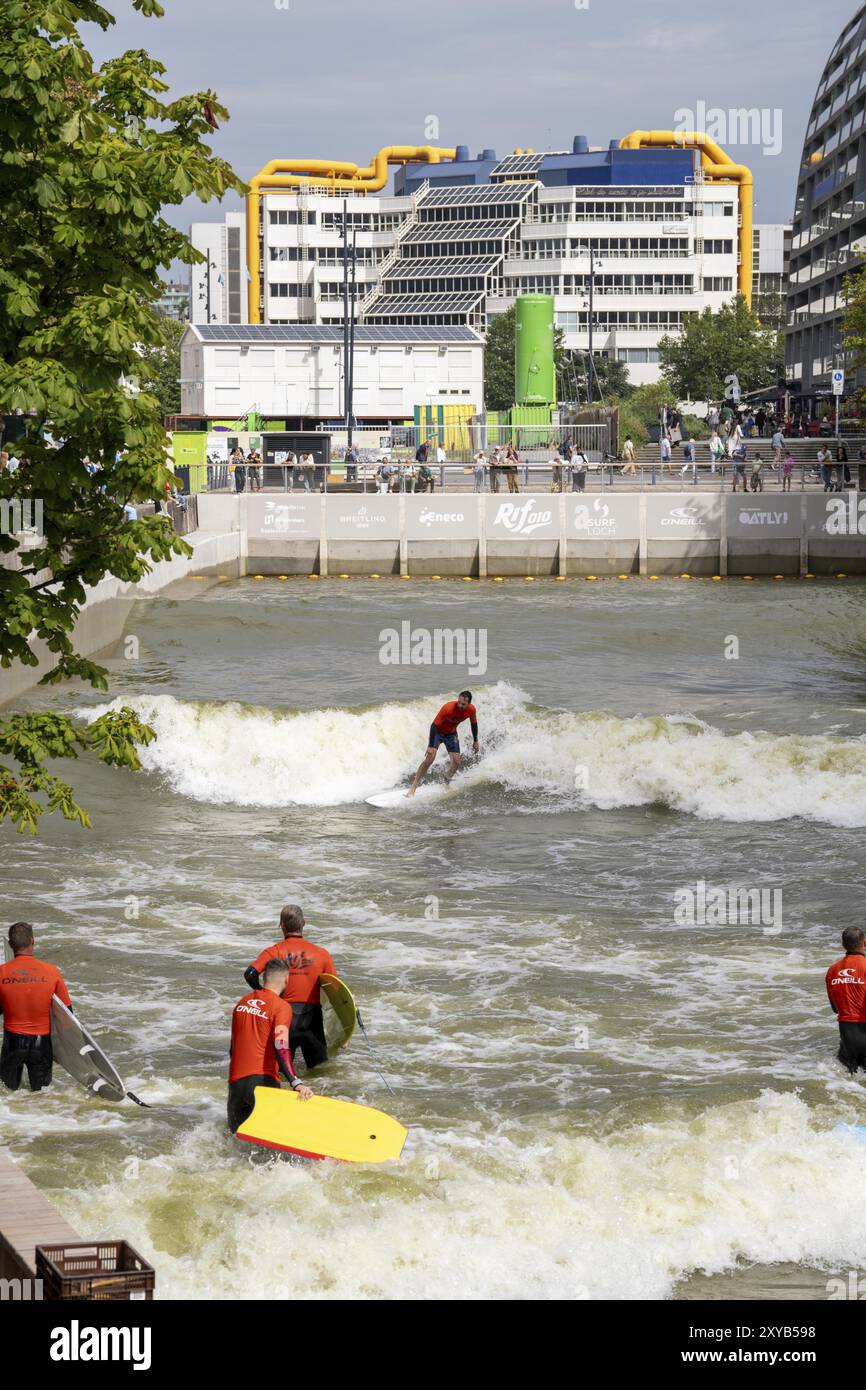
pixel 291 217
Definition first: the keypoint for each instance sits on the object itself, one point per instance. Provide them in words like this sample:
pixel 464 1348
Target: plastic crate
pixel 105 1270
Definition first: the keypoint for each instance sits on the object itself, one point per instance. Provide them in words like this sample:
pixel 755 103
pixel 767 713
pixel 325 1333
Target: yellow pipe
pixel 720 168
pixel 340 174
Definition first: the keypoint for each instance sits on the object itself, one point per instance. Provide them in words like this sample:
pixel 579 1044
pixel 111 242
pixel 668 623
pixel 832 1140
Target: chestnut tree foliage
pixel 89 158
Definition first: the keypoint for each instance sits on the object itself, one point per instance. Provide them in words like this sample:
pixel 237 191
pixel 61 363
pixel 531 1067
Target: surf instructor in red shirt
pixel 261 1024
pixel 846 990
pixel 27 987
pixel 444 730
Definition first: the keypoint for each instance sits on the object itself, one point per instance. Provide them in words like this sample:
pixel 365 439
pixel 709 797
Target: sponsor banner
pixel 273 518
pixel 523 517
pixel 604 518
pixel 370 516
pixel 779 515
pixel 679 515
pixel 445 517
pixel 836 516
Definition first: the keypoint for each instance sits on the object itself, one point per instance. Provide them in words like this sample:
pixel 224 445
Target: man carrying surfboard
pixel 306 963
pixel 443 730
pixel 846 990
pixel 261 1024
pixel 27 987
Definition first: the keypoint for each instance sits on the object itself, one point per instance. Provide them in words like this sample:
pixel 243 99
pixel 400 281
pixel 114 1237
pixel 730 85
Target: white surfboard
pixel 397 800
pixel 77 1053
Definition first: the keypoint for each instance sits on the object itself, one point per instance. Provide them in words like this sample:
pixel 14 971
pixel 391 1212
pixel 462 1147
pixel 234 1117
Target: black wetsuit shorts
pixel 242 1098
pixel 852 1046
pixel 30 1050
pixel 308 1034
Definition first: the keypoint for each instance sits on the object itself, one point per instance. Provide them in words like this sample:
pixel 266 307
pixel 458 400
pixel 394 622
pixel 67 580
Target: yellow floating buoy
pixel 255 576
pixel 808 576
pixel 685 576
pixel 778 576
pixel 375 576
pixel 717 579
pixel 747 577
pixel 435 576
pixel 623 576
pixel 560 579
pixel 841 576
pixel 497 579
pixel 529 579
pixel 653 576
pixel 467 579
pixel 312 576
pixel 344 576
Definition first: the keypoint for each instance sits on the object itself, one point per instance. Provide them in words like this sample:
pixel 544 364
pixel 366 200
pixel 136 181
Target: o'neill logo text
pixel 522 520
pixel 682 516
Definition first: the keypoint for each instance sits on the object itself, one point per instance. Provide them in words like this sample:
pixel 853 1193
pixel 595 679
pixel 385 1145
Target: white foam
pixel 495 1213
pixel 232 754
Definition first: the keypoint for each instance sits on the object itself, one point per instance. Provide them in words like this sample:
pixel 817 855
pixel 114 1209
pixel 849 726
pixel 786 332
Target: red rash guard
pixel 261 1023
pixel 306 963
pixel 27 986
pixel 846 988
pixel 451 715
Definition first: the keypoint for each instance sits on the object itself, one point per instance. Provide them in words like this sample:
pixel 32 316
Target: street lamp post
pixel 591 382
pixel 205 294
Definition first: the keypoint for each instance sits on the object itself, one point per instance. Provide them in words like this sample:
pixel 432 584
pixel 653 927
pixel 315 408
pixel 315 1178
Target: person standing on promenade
pixel 778 443
pixel 689 460
pixel 478 469
pixel 512 462
pixel 787 472
pixel 628 465
pixel 236 464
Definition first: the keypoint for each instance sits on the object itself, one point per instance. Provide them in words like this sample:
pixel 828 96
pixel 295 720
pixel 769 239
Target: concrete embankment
pixel 107 606
pixel 539 533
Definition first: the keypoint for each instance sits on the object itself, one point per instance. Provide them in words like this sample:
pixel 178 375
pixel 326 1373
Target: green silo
pixel 534 373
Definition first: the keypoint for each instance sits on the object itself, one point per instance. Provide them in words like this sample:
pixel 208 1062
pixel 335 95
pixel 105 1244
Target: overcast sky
pixel 339 78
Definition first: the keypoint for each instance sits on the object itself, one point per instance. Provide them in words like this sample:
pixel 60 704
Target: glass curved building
pixel 829 230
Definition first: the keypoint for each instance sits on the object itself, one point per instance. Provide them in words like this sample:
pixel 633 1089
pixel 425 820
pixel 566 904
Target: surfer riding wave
pixel 443 730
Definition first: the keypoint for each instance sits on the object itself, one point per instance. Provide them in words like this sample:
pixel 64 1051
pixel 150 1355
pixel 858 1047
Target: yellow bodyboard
pixel 322 1128
pixel 343 1012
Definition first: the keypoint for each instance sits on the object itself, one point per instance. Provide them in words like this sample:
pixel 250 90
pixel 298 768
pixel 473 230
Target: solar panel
pixel 439 267
pixel 422 305
pixel 478 229
pixel 479 194
pixel 518 164
pixel 331 333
